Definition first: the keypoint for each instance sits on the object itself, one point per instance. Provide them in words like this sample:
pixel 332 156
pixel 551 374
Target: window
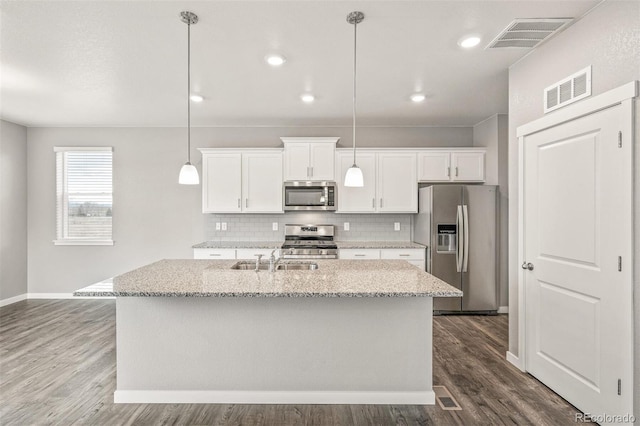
pixel 84 196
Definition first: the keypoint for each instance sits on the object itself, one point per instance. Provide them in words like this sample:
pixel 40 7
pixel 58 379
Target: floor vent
pixel 445 400
pixel 568 90
pixel 528 33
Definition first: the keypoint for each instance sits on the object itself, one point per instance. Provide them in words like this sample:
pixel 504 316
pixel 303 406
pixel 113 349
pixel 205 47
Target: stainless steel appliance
pixel 309 242
pixel 309 195
pixel 458 224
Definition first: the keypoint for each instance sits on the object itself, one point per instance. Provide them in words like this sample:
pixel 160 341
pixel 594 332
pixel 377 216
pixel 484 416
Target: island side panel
pixel 274 350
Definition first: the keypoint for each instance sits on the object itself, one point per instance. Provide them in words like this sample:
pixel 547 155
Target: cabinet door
pixel 322 161
pixel 397 183
pixel 467 166
pixel 296 161
pixel 434 167
pixel 357 200
pixel 221 183
pixel 262 183
pixel 359 254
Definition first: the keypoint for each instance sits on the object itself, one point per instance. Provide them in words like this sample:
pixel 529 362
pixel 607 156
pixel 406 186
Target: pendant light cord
pixel 188 92
pixel 355 30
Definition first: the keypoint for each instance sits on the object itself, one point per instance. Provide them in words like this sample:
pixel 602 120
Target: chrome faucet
pixel 258 262
pixel 273 261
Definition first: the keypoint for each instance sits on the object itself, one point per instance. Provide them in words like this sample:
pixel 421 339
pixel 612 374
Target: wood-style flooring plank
pixel 58 367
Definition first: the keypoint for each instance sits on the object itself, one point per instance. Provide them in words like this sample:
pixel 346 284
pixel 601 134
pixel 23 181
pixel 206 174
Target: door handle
pixel 380 202
pixel 465 252
pixel 459 248
pixel 448 171
pixel 456 170
pixel 238 202
pixel 373 203
pixel 527 265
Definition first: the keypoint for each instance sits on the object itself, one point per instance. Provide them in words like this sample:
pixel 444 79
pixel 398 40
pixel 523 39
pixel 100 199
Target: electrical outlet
pixel 274 226
pixel 217 226
pixel 346 226
pixel 396 226
pixel 224 226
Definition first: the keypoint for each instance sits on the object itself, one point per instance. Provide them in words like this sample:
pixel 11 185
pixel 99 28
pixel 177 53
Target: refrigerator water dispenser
pixel 447 238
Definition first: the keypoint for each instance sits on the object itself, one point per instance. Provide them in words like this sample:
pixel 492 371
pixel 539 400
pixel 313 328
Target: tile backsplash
pixel 258 227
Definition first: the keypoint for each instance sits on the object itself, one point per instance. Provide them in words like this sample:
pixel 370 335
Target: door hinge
pixel 619 386
pixel 619 263
pixel 620 139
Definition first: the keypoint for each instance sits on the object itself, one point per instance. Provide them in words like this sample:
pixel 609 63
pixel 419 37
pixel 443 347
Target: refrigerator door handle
pixel 465 252
pixel 459 243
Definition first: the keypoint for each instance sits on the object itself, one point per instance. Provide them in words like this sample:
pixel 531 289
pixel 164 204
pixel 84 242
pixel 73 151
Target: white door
pixel 577 222
pixel 434 166
pixel 357 200
pixel 467 166
pixel 296 161
pixel 397 183
pixel 221 183
pixel 262 182
pixel 322 160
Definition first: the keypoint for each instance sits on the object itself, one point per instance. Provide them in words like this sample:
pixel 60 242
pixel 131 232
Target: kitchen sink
pixel 282 266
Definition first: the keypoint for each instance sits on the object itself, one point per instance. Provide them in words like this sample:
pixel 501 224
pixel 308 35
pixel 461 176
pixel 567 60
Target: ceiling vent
pixel 568 90
pixel 528 33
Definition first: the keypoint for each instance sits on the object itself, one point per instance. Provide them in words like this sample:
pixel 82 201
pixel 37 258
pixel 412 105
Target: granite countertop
pixel 341 244
pixel 238 244
pixel 378 245
pixel 333 278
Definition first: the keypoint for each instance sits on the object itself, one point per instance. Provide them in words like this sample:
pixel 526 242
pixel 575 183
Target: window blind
pixel 84 195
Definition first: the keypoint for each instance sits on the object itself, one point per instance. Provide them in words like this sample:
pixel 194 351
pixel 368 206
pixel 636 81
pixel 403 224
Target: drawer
pixel 214 253
pixel 403 254
pixel 356 254
pixel 253 253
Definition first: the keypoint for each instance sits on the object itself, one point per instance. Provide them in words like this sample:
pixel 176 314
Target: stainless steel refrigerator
pixel 457 223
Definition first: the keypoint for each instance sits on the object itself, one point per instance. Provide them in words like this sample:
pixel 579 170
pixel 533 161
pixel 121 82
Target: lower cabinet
pixel 230 253
pixel 415 256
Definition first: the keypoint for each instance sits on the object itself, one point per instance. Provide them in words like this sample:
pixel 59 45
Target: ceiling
pixel 123 63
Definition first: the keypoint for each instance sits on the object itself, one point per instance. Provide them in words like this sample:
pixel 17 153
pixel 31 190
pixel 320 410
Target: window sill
pixel 83 242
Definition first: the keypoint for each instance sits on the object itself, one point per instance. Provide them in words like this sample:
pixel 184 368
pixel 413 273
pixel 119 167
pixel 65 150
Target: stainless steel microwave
pixel 309 195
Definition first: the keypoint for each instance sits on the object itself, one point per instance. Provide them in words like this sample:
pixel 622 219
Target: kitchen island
pixel 349 332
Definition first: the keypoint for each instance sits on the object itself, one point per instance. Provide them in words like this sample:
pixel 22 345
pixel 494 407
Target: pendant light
pixel 354 177
pixel 188 172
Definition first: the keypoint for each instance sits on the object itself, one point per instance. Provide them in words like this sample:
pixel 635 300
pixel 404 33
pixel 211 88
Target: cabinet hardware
pixel 401 254
pixel 619 263
pixel 448 171
pixel 373 203
pixel 238 202
pixel 380 202
pixel 214 254
pixel 619 386
pixel 359 255
pixel 246 203
pixel 620 139
pixel 456 170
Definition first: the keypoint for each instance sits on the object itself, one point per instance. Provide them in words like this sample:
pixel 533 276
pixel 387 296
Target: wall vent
pixel 528 33
pixel 568 90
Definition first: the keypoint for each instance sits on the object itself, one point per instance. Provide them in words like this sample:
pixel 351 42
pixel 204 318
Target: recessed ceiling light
pixel 418 97
pixel 469 41
pixel 196 98
pixel 307 98
pixel 275 60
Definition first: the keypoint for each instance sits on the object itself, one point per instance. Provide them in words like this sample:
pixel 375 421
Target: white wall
pixel 153 216
pixel 13 210
pixel 606 39
pixel 492 134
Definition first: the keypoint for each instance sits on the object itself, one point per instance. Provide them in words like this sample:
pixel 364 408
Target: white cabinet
pixel 217 254
pixel 359 254
pixel 415 256
pixel 309 158
pixel 390 182
pixel 241 181
pixel 451 166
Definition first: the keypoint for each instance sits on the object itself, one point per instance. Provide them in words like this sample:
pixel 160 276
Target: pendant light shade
pixel 188 172
pixel 354 177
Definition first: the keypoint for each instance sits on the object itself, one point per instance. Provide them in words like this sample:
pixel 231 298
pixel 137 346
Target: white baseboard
pixel 503 309
pixel 272 397
pixel 515 361
pixel 14 299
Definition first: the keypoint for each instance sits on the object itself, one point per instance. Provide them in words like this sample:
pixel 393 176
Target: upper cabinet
pixel 390 182
pixel 309 158
pixel 451 165
pixel 246 181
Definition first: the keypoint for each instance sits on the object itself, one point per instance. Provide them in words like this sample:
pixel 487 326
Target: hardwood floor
pixel 58 367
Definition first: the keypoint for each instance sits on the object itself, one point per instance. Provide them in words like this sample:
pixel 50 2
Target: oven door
pixel 308 196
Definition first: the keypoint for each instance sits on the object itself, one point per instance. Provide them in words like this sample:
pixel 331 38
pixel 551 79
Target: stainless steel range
pixel 309 242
